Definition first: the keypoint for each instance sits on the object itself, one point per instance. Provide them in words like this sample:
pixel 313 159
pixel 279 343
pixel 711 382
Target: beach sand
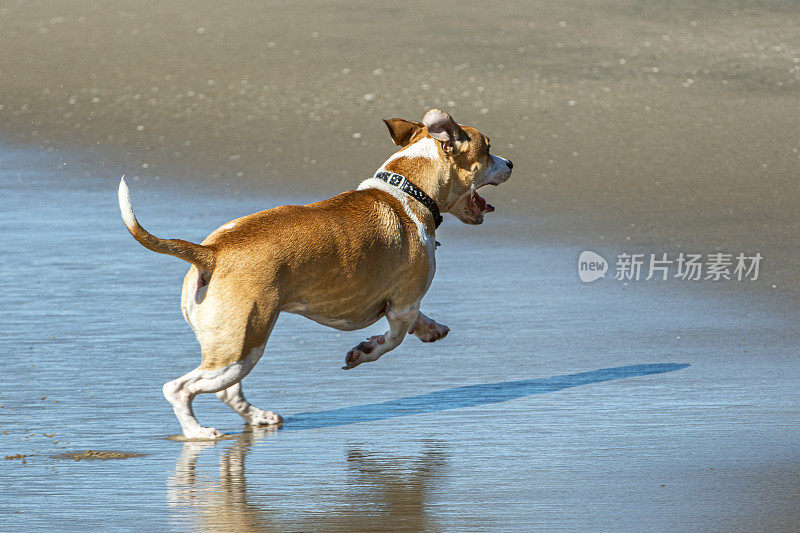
pixel 665 125
pixel 641 126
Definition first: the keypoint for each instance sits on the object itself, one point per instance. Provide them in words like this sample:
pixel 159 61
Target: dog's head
pixel 457 157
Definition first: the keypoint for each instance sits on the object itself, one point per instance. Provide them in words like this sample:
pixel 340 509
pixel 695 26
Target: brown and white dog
pixel 343 262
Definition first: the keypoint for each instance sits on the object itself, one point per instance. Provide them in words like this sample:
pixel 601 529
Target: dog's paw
pixel 201 433
pixel 429 331
pixel 364 352
pixel 264 418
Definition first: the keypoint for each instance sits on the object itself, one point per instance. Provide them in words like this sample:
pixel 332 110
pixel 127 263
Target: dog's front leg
pixel 374 347
pixel 427 329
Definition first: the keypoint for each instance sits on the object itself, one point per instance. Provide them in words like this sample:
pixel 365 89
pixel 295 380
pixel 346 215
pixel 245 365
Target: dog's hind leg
pixel 181 392
pixel 234 398
pixel 427 329
pixel 374 347
pixel 227 358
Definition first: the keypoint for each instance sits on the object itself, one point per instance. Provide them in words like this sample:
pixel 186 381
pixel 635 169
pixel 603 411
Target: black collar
pixel 402 183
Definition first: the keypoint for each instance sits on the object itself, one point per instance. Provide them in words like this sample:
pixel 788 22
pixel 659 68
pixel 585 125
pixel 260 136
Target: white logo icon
pixel 591 266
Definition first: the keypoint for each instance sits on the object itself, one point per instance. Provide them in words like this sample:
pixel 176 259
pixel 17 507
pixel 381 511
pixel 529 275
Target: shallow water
pixel 551 404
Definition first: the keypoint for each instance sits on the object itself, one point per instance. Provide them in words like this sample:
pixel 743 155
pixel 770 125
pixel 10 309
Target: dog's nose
pixel 510 164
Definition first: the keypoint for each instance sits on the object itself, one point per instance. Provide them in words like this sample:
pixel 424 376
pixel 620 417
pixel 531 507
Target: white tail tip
pixel 125 204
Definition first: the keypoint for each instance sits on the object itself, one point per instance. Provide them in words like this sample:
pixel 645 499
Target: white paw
pixel 430 332
pixel 364 352
pixel 202 433
pixel 264 418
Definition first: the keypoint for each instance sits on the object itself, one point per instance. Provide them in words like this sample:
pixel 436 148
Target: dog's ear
pixel 442 127
pixel 401 130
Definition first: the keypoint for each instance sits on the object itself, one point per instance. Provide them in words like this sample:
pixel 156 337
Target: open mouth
pixel 478 205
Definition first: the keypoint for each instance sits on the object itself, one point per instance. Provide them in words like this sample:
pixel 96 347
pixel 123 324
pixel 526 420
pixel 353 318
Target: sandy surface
pixel 633 126
pixel 669 125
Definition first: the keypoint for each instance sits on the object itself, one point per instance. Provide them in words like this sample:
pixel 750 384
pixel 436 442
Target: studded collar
pixel 402 183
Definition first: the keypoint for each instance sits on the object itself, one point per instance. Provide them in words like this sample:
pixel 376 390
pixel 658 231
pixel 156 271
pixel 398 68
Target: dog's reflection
pixel 382 493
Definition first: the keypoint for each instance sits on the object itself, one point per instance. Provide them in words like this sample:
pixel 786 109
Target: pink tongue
pixel 481 204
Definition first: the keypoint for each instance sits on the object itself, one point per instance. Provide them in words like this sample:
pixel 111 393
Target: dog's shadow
pixel 390 493
pixel 468 396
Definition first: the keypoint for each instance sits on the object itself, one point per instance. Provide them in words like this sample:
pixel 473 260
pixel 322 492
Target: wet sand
pixel 633 126
pixel 670 125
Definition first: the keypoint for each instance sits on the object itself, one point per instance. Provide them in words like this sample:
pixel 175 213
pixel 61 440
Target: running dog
pixel 344 262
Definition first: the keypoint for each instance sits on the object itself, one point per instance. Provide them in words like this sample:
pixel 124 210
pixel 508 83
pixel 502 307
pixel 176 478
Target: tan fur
pixel 314 258
pixel 344 262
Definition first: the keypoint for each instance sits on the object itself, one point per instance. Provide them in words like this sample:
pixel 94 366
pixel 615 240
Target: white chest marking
pixel 430 245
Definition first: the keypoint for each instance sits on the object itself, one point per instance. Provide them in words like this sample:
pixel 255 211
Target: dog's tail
pixel 197 254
